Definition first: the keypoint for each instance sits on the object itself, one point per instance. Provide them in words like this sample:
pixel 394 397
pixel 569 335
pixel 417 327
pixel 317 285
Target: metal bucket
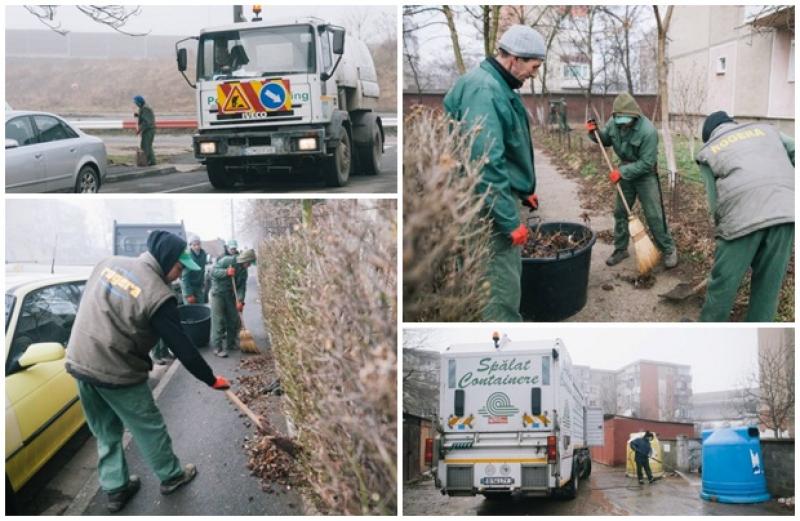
pixel 196 321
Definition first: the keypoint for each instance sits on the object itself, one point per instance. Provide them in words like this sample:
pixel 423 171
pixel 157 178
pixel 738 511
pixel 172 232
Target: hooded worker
pixel 126 307
pixel 641 456
pixel 145 127
pixel 748 170
pixel 228 287
pixel 635 141
pixel 193 282
pixel 487 98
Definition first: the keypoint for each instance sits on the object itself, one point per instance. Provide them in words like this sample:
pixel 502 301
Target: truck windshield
pixel 271 51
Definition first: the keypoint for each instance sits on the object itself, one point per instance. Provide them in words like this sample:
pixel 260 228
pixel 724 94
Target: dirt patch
pixel 639 282
pixel 606 236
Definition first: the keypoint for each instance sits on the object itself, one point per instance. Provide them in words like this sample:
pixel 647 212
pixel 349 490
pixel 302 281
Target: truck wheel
pixel 337 168
pixel 369 157
pixel 588 469
pixel 571 490
pixel 217 176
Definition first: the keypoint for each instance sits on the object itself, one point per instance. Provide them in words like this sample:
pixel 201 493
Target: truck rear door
pixel 593 421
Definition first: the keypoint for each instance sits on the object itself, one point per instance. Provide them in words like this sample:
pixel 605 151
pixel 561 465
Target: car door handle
pixel 38 156
pixel 72 149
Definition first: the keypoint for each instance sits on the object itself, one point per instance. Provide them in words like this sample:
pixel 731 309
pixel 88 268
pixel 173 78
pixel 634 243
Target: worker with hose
pixel 642 451
pixel 748 170
pixel 486 98
pixel 126 307
pixel 635 141
pixel 228 286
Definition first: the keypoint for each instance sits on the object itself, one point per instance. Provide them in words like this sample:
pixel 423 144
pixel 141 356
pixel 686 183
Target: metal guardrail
pixel 119 124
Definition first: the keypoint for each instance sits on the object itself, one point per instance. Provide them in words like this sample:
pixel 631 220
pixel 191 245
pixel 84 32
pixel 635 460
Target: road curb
pixel 92 486
pixel 126 176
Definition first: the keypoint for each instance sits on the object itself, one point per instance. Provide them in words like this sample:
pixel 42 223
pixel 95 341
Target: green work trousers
pixel 108 412
pixel 224 323
pixel 505 274
pixel 147 145
pixel 646 189
pixel 767 252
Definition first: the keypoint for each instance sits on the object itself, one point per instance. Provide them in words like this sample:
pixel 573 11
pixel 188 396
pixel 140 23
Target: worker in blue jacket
pixel 642 451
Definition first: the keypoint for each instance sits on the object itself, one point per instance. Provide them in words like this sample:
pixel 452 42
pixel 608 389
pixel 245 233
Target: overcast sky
pixel 719 356
pixel 188 20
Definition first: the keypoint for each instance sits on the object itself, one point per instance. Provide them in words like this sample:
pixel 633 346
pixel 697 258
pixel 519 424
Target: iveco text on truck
pixel 284 98
pixel 512 420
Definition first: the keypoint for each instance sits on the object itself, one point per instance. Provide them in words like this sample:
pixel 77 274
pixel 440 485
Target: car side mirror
pixel 11 143
pixel 338 41
pixel 182 59
pixel 41 353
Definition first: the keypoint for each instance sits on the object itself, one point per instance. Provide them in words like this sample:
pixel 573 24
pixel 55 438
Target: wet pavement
pixel 208 431
pixel 607 492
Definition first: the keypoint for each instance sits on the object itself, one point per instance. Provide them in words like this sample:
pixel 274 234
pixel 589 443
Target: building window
pixel 722 64
pixel 790 70
pixel 575 71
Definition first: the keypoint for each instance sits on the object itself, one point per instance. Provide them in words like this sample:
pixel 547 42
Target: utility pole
pixel 233 224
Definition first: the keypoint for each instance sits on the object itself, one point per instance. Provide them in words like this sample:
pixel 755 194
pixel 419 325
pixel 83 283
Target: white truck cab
pixel 283 97
pixel 512 420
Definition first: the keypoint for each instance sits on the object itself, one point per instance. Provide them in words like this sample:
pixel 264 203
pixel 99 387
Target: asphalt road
pixel 196 181
pixel 208 431
pixel 606 492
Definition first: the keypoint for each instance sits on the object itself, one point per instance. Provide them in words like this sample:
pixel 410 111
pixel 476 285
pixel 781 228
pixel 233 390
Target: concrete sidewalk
pixel 610 298
pixel 208 431
pixel 180 163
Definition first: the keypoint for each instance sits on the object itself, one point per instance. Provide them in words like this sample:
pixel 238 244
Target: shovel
pixel 684 290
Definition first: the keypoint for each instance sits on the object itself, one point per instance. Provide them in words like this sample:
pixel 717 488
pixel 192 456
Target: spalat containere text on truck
pixel 284 99
pixel 511 419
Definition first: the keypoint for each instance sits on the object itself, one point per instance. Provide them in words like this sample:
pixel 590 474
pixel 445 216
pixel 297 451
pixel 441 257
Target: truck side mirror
pixel 459 403
pixel 338 41
pixel 536 401
pixel 182 60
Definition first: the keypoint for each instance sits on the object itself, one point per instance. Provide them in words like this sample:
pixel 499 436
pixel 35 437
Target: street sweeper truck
pixel 512 419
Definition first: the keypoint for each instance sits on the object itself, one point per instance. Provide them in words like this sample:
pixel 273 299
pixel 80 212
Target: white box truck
pixel 284 97
pixel 511 419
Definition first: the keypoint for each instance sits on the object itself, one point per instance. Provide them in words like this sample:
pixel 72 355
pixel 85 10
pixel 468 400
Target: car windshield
pixel 9 307
pixel 255 53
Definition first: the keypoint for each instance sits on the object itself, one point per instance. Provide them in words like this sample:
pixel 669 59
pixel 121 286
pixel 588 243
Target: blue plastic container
pixel 733 469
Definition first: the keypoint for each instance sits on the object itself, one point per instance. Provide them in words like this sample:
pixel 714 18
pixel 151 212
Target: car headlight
pixel 307 143
pixel 208 147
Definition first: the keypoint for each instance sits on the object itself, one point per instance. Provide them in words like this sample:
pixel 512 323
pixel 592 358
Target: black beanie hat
pixel 714 120
pixel 166 248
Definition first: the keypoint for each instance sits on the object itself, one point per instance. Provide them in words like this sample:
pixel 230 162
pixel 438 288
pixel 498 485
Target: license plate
pixel 258 151
pixel 497 481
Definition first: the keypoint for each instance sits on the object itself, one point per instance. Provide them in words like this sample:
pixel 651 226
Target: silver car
pixel 44 153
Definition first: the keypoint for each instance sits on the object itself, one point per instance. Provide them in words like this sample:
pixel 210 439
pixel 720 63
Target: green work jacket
pixel 483 97
pixel 221 284
pixel 636 147
pixel 192 281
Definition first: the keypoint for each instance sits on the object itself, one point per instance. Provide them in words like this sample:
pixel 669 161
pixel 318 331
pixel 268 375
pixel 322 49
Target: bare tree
pixel 662 24
pixel 689 89
pixel 487 20
pixel 583 26
pixel 113 16
pixel 771 387
pixel 451 26
pixel 623 21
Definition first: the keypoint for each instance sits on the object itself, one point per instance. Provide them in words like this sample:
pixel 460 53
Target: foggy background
pixel 719 357
pixel 84 226
pixel 94 70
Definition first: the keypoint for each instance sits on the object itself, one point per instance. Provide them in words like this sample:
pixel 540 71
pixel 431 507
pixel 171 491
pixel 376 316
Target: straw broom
pixel 246 342
pixel 283 443
pixel 647 255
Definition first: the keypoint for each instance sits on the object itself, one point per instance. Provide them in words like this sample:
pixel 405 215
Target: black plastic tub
pixel 196 321
pixel 554 288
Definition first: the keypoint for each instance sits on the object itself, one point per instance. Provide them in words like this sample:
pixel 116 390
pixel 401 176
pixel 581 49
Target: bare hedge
pixel 329 296
pixel 445 232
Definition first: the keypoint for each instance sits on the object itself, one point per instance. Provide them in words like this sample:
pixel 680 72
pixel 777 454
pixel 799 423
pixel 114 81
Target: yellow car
pixel 42 407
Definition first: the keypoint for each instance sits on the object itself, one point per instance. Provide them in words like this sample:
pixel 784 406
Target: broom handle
pixel 236 296
pixel 611 167
pixel 245 409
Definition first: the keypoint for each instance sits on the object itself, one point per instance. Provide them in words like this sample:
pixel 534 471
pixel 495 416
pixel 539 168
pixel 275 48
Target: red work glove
pixel 615 176
pixel 239 306
pixel 532 202
pixel 221 383
pixel 591 126
pixel 231 271
pixel 520 235
pixel 191 299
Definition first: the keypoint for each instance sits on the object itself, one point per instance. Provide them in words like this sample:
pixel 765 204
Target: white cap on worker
pixel 523 41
